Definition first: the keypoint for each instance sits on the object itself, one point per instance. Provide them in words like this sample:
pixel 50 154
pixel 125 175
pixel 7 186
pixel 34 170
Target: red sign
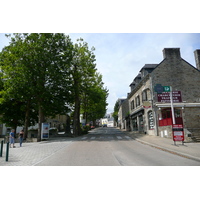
pixel 146 104
pixel 178 133
pixel 165 97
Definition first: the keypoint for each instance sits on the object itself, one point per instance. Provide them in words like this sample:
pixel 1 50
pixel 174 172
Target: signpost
pixel 166 95
pixel 178 133
pixel 159 88
pixel 166 88
pixel 172 108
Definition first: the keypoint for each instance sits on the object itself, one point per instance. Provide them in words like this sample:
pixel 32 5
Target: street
pixel 112 147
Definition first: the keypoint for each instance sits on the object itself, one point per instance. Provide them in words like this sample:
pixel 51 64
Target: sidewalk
pixel 188 150
pixel 32 153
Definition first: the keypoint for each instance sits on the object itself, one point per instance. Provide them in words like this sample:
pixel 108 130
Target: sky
pixel 120 56
pixel 123 33
pixel 126 35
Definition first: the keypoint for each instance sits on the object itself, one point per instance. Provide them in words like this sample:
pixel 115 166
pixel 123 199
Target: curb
pixel 166 149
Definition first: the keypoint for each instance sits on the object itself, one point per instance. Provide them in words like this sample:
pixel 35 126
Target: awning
pixel 165 105
pixel 137 112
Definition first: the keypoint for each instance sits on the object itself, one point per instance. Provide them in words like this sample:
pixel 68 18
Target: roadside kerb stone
pixel 169 150
pixel 166 144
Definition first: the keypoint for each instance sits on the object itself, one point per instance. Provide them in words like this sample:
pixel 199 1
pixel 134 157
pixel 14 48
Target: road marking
pixel 119 137
pixel 83 138
pixel 127 137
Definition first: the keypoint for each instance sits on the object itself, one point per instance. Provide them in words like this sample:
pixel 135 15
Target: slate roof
pixel 149 66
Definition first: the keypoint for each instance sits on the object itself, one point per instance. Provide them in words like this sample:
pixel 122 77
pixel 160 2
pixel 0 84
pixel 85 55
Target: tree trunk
pixel 76 120
pixel 40 121
pixel 26 124
pixel 94 122
pixel 68 128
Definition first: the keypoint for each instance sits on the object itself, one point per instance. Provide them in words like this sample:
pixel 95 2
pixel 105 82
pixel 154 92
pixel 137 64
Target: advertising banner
pixel 45 131
pixel 178 133
pixel 165 97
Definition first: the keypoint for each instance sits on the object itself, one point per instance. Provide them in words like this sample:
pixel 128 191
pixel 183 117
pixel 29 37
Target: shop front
pixel 165 121
pixel 137 121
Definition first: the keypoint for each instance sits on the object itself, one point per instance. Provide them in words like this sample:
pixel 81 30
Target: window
pixel 137 100
pixel 166 117
pixel 132 104
pixel 144 95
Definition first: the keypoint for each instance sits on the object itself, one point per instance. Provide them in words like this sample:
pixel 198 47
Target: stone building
pixel 123 114
pixel 120 113
pixel 150 112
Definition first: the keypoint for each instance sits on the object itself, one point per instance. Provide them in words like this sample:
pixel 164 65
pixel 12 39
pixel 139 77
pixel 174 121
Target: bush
pixel 85 129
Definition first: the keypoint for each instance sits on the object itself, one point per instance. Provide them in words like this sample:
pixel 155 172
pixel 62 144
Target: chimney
pixel 197 58
pixel 171 53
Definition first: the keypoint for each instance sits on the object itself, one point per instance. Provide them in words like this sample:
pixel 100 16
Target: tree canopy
pixel 45 74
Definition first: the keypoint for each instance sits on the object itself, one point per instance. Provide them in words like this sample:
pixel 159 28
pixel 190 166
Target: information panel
pixel 178 133
pixel 45 131
pixel 165 97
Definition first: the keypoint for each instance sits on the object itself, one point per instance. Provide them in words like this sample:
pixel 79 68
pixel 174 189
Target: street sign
pixel 165 97
pixel 166 88
pixel 178 133
pixel 158 88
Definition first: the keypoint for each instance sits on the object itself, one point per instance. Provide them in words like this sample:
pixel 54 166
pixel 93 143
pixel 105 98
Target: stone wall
pixel 176 72
pixel 181 76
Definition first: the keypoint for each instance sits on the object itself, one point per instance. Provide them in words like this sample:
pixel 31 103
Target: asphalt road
pixel 111 147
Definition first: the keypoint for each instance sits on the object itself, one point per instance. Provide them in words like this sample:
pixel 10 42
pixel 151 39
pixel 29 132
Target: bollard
pixel 1 150
pixel 7 151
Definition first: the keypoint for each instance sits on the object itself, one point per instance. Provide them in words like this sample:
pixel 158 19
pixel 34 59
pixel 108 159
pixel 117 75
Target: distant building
pixel 123 113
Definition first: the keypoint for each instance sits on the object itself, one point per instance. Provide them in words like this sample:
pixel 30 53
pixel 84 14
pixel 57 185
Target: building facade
pixel 151 112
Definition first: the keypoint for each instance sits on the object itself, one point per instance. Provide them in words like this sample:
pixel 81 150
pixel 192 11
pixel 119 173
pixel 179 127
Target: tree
pixel 116 110
pixel 15 100
pixel 82 74
pixel 94 100
pixel 39 64
pixel 45 74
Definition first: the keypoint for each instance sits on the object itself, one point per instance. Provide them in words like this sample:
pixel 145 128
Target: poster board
pixel 178 133
pixel 45 131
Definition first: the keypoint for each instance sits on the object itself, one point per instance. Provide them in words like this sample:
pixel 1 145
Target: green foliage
pixel 94 100
pixel 85 129
pixel 85 81
pixel 116 110
pixel 45 74
pixel 34 68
